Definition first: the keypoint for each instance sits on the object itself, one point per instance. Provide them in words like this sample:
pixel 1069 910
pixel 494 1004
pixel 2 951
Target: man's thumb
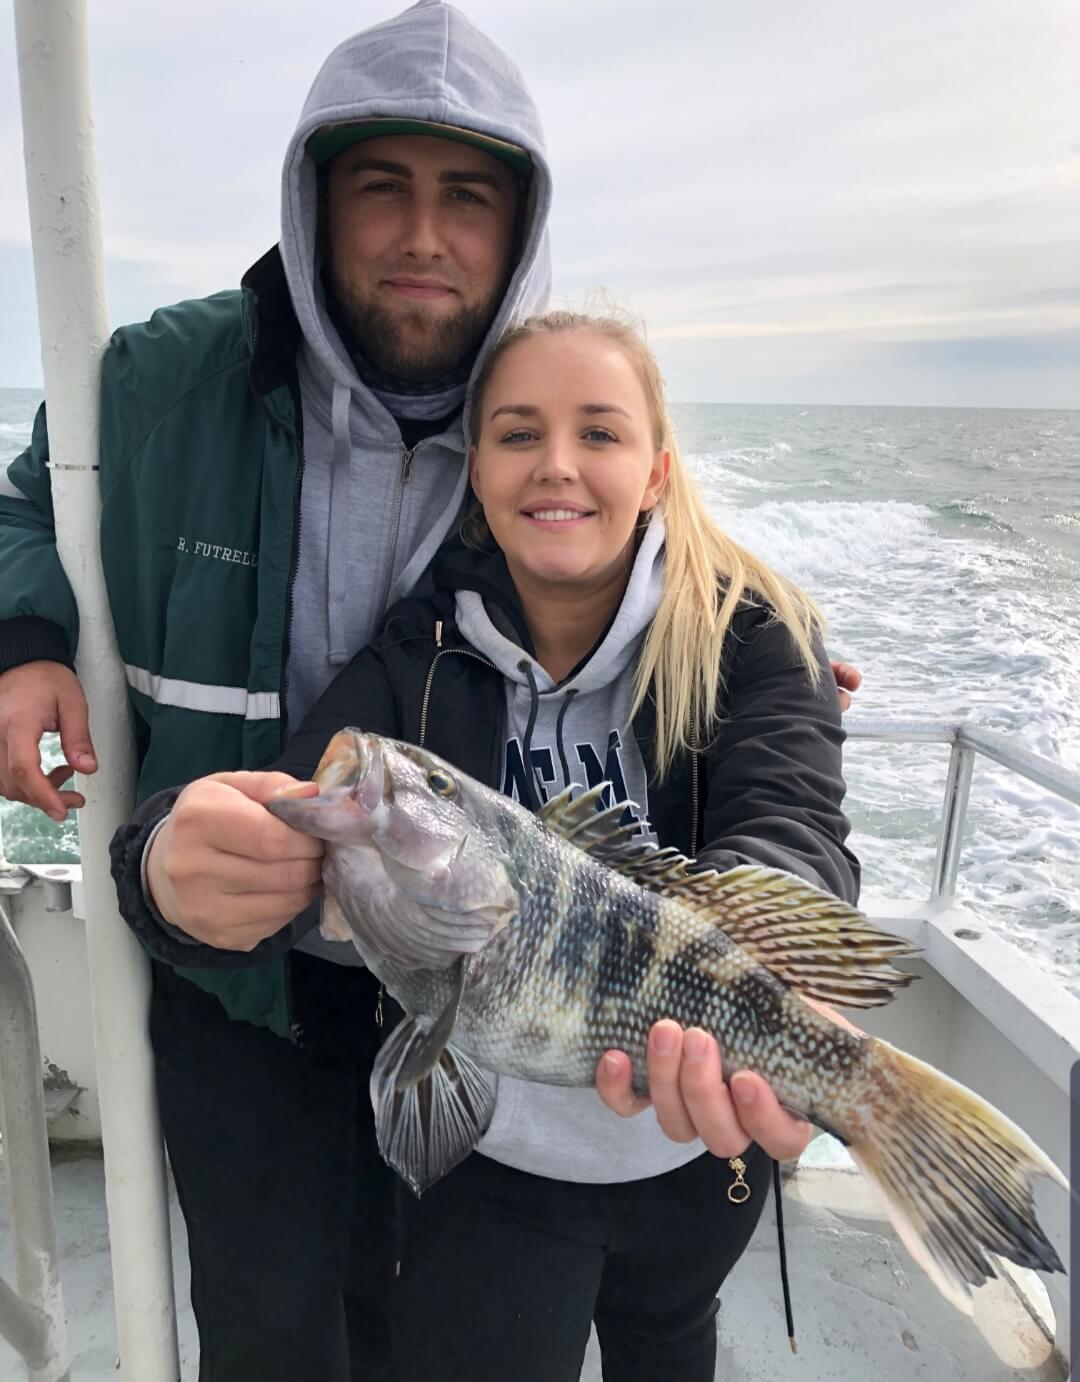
pixel 74 722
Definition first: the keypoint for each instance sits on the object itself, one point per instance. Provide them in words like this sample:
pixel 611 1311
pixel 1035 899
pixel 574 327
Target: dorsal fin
pixel 813 942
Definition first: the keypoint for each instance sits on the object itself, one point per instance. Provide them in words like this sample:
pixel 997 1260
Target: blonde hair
pixel 706 576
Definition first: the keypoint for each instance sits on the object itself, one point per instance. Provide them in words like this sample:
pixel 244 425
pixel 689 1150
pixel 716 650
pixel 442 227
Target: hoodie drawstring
pixel 558 736
pixel 783 1255
pixel 337 528
pixel 534 801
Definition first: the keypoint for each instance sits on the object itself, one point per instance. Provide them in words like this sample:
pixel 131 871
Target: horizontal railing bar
pixel 989 742
pixel 901 731
pixel 1033 766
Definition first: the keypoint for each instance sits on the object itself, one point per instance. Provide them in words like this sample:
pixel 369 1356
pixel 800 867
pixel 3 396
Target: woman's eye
pixel 519 434
pixel 442 784
pixel 600 434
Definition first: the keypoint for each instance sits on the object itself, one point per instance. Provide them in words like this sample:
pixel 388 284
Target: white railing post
pixel 61 181
pixel 953 819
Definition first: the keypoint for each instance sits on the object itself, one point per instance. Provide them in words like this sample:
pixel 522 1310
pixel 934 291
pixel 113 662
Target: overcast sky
pixel 844 201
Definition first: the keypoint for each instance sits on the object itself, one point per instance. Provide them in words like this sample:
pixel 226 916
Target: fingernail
pixel 85 762
pixel 743 1092
pixel 612 1065
pixel 663 1041
pixel 695 1046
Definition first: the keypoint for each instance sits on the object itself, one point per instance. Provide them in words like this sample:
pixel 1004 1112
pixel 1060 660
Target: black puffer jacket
pixel 767 790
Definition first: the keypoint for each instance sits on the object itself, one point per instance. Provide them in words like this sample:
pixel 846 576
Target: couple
pixel 282 466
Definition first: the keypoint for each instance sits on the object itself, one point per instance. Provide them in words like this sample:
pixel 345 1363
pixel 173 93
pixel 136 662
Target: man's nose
pixel 422 234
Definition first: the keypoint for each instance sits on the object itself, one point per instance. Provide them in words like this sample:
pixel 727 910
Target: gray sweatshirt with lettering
pixel 371 514
pixel 580 735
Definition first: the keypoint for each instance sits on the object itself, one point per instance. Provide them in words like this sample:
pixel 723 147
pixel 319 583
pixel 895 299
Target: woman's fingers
pixel 764 1120
pixel 613 1084
pixel 706 1097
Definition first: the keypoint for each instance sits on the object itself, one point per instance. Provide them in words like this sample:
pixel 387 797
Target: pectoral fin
pixel 432 1104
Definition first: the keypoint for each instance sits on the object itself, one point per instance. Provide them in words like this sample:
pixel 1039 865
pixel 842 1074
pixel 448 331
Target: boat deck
pixel 862 1310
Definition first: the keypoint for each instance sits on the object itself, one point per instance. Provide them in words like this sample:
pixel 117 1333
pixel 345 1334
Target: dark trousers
pixel 295 1224
pixel 503 1272
pixel 287 1202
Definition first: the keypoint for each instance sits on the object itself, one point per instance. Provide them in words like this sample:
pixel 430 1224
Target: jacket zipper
pixel 407 454
pixel 446 652
pixel 693 803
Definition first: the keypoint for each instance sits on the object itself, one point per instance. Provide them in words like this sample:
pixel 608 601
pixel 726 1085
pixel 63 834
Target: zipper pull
pixel 738 1190
pixel 438 633
pixel 379 1013
pixel 406 464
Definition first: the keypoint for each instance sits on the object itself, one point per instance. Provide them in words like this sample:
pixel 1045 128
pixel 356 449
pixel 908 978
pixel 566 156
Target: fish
pixel 527 945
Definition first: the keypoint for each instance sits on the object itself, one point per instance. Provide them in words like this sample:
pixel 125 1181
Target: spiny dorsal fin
pixel 812 941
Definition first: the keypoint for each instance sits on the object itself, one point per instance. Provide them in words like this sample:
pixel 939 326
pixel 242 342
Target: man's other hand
pixel 35 699
pixel 848 681
pixel 226 871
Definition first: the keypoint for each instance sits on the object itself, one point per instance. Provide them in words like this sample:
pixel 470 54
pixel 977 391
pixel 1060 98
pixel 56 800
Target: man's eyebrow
pixel 472 175
pixel 402 170
pixel 381 165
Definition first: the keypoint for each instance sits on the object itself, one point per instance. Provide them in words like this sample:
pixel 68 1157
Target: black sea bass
pixel 530 945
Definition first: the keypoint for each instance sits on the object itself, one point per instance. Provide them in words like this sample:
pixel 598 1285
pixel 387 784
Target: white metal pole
pixel 65 224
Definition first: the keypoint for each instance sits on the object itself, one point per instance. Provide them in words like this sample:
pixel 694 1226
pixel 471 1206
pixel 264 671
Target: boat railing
pixel 31 1315
pixel 968 742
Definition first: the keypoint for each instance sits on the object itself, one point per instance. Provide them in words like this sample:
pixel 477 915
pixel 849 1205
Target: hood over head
pixel 427 64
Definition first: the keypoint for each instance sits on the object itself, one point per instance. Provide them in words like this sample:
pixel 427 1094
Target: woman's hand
pixel 691 1099
pixel 688 1092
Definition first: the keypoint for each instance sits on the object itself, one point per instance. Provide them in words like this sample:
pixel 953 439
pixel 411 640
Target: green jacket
pixel 201 456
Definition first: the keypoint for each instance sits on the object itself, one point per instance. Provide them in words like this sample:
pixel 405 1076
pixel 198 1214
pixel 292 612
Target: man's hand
pixel 691 1099
pixel 225 870
pixel 35 699
pixel 848 681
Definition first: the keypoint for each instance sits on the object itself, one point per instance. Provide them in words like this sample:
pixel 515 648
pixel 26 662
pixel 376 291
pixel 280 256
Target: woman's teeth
pixel 556 515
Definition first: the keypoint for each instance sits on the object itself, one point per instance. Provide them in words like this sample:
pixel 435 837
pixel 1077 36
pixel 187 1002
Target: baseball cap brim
pixel 330 140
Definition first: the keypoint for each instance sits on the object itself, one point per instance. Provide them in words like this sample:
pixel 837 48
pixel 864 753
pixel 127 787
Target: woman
pixel 597 627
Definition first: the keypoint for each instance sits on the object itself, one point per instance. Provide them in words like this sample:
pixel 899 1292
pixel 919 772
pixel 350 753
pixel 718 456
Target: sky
pixel 849 201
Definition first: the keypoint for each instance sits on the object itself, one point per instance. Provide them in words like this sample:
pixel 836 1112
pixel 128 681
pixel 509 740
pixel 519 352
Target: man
pixel 278 466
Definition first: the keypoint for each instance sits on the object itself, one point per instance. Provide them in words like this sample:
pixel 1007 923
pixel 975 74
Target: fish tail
pixel 955 1175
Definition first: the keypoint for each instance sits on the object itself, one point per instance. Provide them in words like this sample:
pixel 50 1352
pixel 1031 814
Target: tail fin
pixel 955 1175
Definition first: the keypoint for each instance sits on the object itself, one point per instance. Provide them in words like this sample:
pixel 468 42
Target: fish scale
pixel 529 945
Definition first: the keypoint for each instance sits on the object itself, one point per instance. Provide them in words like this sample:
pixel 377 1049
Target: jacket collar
pixel 270 322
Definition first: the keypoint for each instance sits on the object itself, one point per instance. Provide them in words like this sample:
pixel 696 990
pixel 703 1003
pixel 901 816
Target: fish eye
pixel 442 783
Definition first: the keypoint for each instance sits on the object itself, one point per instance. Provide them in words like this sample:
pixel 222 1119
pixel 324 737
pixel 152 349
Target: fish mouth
pixel 355 791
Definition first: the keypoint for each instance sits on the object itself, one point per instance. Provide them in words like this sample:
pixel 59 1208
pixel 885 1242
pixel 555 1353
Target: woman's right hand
pixel 226 871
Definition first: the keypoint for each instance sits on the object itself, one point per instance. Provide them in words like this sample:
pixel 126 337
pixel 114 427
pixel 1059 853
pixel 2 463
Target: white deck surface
pixel 863 1312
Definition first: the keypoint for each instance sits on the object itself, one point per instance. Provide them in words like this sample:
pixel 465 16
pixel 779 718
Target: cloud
pixel 821 180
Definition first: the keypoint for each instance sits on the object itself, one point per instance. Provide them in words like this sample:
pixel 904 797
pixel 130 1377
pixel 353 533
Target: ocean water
pixel 944 547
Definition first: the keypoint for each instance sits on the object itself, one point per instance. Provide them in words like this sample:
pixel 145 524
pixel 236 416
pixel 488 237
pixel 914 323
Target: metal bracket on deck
pixel 32 1316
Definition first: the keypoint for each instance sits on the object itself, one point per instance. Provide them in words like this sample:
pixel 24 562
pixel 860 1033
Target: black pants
pixel 295 1224
pixel 287 1202
pixel 503 1272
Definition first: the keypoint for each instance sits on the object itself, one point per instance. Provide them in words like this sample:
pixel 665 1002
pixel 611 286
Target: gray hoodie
pixel 371 514
pixel 580 734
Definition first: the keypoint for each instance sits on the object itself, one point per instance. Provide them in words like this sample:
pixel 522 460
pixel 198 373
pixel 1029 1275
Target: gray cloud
pixel 833 202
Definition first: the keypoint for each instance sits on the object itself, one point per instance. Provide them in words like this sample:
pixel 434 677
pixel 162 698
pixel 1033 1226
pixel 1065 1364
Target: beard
pixel 408 343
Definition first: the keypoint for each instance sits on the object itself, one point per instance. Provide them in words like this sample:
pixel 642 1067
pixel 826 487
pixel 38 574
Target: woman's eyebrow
pixel 518 410
pixel 593 408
